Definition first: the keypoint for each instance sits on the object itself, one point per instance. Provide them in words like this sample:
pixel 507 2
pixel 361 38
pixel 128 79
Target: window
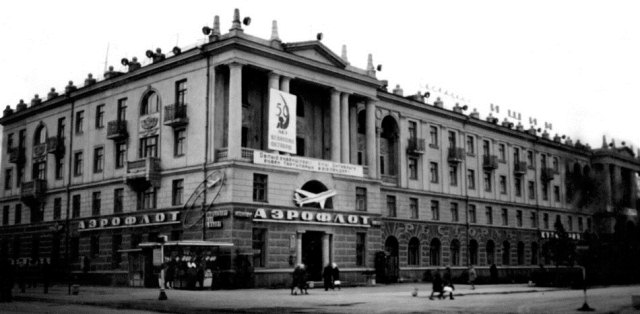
pixel 556 193
pixel 543 160
pixel 532 190
pixel 413 130
pixel 502 154
pixel 75 206
pixel 5 215
pixel 35 246
pixel 122 109
pixel 486 149
pixel 452 139
pixel 98 159
pixel 530 160
pixel 61 127
pixel 413 168
pixel 534 220
pixel 471 179
pixel 545 220
pixel 519 218
pixel 453 175
pixel 413 207
pixel 94 249
pixel 361 199
pixel 259 245
pixel 360 248
pixel 391 205
pixel 9 142
pixel 433 136
pixel 121 153
pixel 77 164
pixel 520 253
pixel 455 252
pixel 260 187
pixel 473 252
pixel 99 116
pixel 149 147
pixel 434 252
pixel 147 199
pixel 503 184
pixel 433 171
pixel 555 165
pixel 8 179
pixel 79 122
pixel 534 253
pixel 118 196
pixel 489 215
pixel 300 107
pixel 413 252
pixel 59 160
pixel 178 142
pixel 454 212
pixel 505 217
pixel 580 225
pixel 181 92
pixel 545 191
pixel 518 186
pixel 18 213
pixel 506 253
pixel 149 104
pixel 381 164
pixel 96 201
pixel 176 192
pixel 57 208
pixel 19 176
pixel 40 170
pixel 116 256
pixel 472 214
pixel 435 210
pixel 487 181
pixel 569 223
pixel 470 145
pixel 74 243
pixel 516 155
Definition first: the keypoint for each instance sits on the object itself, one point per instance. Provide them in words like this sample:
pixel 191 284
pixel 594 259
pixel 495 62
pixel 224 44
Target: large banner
pixel 308 164
pixel 282 121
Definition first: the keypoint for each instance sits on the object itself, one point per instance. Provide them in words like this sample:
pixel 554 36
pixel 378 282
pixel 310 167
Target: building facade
pixel 183 147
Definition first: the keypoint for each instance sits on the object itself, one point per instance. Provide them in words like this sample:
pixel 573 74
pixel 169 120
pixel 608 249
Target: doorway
pixel 312 254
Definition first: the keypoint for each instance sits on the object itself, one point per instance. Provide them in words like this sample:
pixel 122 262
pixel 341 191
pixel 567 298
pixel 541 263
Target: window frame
pixel 260 187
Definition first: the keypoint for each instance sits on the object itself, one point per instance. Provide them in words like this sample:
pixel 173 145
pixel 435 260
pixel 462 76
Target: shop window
pixel 413 253
pixel 116 256
pixel 473 252
pixel 5 215
pixel 506 253
pixel 455 252
pixel 94 245
pixel 491 252
pixel 259 247
pixel 434 252
pixel 18 213
pixel 534 253
pixel 520 253
pixel 75 206
pixel 360 248
pixel 35 246
pixel 57 208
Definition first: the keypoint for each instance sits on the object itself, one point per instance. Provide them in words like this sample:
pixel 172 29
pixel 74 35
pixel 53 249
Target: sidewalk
pixel 356 299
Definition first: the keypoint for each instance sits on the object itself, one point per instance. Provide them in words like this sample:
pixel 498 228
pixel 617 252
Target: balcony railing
pixel 393 179
pixel 223 154
pixel 456 155
pixel 144 172
pixel 33 190
pixel 17 155
pixel 175 115
pixel 546 174
pixel 55 145
pixel 416 146
pixel 490 162
pixel 117 130
pixel 519 168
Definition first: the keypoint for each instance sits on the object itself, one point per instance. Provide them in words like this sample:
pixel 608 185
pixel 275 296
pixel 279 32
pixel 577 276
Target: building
pixel 206 147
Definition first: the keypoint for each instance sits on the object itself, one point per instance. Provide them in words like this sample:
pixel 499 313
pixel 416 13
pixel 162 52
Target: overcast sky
pixel 575 64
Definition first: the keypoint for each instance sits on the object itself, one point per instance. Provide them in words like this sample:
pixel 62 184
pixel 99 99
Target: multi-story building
pixel 189 147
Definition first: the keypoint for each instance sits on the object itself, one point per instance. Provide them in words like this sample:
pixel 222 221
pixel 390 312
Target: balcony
pixel 490 162
pixel 519 168
pixel 546 174
pixel 416 146
pixel 143 173
pixel 223 155
pixel 117 130
pixel 391 179
pixel 176 115
pixel 39 151
pixel 456 155
pixel 33 191
pixel 17 155
pixel 55 145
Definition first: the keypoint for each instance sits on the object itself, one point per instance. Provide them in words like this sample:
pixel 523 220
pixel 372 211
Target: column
pixel 335 125
pixel 298 248
pixel 344 127
pixel 274 80
pixel 235 111
pixel 371 139
pixel 353 134
pixel 325 249
pixel 284 84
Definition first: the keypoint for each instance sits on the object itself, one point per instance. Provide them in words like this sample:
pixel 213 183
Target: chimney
pixel 604 142
pixel 236 25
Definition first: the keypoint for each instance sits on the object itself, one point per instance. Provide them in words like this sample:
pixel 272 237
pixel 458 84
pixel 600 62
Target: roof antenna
pixel 106 58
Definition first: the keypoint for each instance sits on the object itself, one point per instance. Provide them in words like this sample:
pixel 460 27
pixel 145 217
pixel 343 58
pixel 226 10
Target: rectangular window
pixel 433 172
pixel 519 218
pixel 503 184
pixel 433 136
pixel 149 147
pixel 489 215
pixel 147 199
pixel 452 139
pixel 413 130
pixel 543 160
pixel 569 223
pixel 435 210
pixel 518 186
pixel 59 160
pixel 118 197
pixel 532 190
pixel 391 205
pixel 487 181
pixel 545 220
pixel 472 214
pixel 244 136
pixel 260 187
pixel 77 164
pixel 9 142
pixel 413 168
pixel 96 203
pixel 177 191
pixel 361 199
pixel 5 215
pixel 178 145
pixel 259 246
pixel 545 191
pixel 502 153
pixel 75 206
pixel 116 255
pixel 79 122
pixel 57 208
pixel 181 92
pixel 486 149
pixel 555 165
pixel 100 116
pixel 61 126
pixel 18 213
pixel 360 248
pixel 505 217
pixel 98 159
pixel 534 220
pixel 122 109
pixel 413 207
pixel 470 145
pixel 556 193
pixel 8 179
pixel 516 155
pixel 19 176
pixel 94 248
pixel 530 160
pixel 454 212
pixel 580 225
pixel 121 154
pixel 471 179
pixel 453 175
pixel 381 164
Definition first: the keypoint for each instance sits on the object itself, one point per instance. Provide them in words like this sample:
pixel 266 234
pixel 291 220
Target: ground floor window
pixel 259 247
pixel 506 253
pixel 434 252
pixel 473 252
pixel 491 248
pixel 455 252
pixel 360 248
pixel 413 254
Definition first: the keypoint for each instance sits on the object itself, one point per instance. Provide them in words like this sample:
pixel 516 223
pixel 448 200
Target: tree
pixel 562 247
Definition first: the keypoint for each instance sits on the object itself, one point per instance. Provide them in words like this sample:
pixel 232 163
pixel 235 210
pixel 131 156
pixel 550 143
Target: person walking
pixel 327 275
pixel 493 272
pixel 336 275
pixel 436 285
pixel 295 279
pixel 448 283
pixel 302 283
pixel 472 277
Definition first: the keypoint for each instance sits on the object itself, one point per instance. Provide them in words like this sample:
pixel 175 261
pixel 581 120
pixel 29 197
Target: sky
pixel 574 64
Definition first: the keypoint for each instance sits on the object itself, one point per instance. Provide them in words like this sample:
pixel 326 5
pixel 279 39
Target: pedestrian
pixel 436 285
pixel 493 272
pixel 336 275
pixel 296 277
pixel 302 283
pixel 45 275
pixel 170 274
pixel 327 275
pixel 448 283
pixel 472 277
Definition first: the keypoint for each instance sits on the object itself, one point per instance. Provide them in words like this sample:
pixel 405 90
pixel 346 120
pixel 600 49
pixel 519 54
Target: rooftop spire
pixel 216 26
pixel 274 31
pixel 370 69
pixel 236 25
pixel 604 142
pixel 344 54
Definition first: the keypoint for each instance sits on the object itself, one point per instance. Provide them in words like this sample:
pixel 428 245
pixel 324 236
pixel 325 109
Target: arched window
pixel 150 103
pixel 40 136
pixel 506 253
pixel 455 252
pixel 413 254
pixel 389 146
pixel 546 253
pixel 473 252
pixel 534 253
pixel 434 252
pixel 520 253
pixel 491 252
pixel 391 246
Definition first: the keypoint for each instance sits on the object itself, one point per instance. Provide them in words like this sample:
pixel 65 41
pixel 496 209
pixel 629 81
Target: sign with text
pixel 282 121
pixel 141 220
pixel 328 218
pixel 308 164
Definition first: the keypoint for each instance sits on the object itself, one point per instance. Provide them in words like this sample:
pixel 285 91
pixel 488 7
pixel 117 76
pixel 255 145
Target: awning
pixel 187 243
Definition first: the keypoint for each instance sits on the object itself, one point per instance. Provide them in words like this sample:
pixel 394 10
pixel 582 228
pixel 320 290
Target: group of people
pixel 299 280
pixel 331 276
pixel 190 270
pixel 443 284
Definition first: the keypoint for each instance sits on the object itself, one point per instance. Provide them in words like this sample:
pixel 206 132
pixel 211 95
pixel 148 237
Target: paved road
pixel 43 307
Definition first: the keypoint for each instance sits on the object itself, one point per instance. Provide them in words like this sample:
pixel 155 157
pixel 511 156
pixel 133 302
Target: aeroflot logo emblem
pixel 311 217
pixel 282 113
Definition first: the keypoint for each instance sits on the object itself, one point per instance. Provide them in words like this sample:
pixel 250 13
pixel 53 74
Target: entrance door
pixel 312 254
pixel 393 269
